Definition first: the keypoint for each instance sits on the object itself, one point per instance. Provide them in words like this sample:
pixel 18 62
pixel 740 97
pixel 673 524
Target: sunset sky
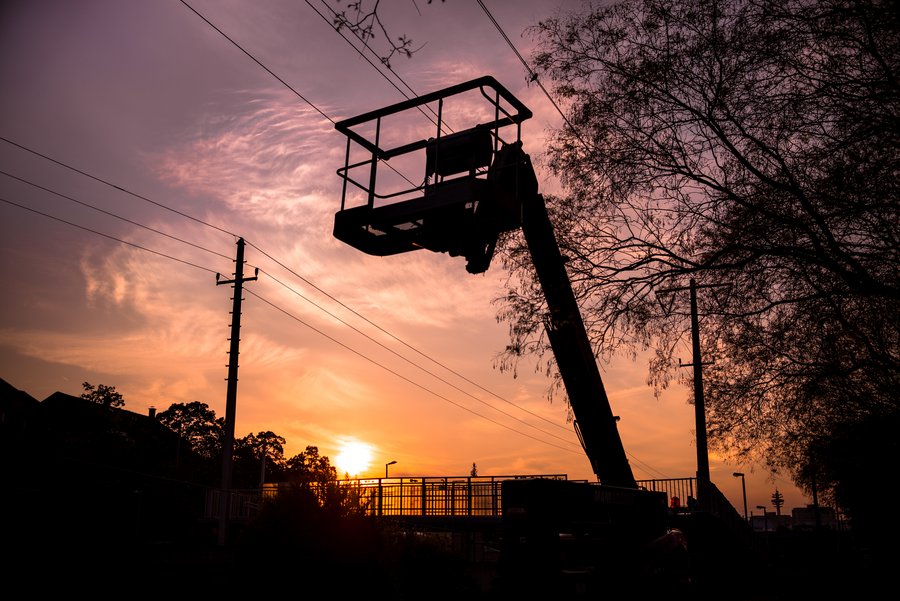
pixel 138 143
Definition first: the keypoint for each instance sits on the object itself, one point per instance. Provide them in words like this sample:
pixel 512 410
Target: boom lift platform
pixel 452 205
pixel 456 191
pixel 476 185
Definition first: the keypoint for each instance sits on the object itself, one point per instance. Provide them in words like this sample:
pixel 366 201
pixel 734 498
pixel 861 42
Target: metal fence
pixel 445 496
pixel 448 496
pixel 681 493
pixel 243 504
pixel 690 495
pixel 454 496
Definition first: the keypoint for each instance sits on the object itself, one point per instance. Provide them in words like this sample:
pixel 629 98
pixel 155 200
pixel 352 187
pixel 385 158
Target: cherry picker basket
pixel 412 181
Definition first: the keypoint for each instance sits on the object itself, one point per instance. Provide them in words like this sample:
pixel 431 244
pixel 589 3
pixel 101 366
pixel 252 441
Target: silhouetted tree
pixel 310 470
pixel 197 426
pixel 751 146
pixel 259 457
pixel 308 467
pixel 847 463
pixel 102 394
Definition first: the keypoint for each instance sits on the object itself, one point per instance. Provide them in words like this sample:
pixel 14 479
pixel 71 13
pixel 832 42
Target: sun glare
pixel 353 459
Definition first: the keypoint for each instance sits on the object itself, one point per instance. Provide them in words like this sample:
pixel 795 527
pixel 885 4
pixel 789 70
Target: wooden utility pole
pixel 699 403
pixel 231 398
pixel 703 477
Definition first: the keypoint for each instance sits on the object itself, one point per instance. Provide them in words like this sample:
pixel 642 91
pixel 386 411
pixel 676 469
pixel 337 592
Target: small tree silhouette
pixel 103 395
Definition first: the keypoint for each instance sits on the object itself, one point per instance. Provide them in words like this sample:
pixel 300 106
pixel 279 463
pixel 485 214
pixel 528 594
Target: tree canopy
pixel 102 394
pixel 308 467
pixel 197 425
pixel 750 145
pixel 259 458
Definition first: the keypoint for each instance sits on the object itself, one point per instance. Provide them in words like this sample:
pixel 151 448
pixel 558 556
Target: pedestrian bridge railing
pixel 445 496
pixel 450 496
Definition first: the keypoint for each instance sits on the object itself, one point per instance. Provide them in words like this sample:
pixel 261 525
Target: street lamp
pixel 386 465
pixel 743 490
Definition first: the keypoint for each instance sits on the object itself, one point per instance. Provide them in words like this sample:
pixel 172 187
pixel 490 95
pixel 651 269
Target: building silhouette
pixel 94 484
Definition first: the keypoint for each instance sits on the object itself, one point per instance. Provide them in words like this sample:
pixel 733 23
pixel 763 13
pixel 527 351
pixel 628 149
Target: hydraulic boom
pixel 477 186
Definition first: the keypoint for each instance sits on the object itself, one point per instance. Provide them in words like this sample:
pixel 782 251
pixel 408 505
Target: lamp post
pixel 743 490
pixel 386 466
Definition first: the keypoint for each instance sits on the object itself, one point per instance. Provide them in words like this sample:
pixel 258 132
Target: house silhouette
pixel 93 484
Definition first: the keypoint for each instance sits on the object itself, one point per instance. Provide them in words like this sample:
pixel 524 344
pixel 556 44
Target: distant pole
pixel 231 398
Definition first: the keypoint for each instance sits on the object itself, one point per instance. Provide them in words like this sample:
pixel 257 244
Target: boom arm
pixel 594 420
pixel 478 185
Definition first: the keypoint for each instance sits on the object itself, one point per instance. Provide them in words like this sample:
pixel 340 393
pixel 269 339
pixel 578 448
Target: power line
pixel 646 467
pixel 121 189
pixel 402 377
pixel 111 214
pixel 87 229
pixel 331 338
pixel 254 59
pixel 373 65
pixel 90 206
pixel 269 256
pixel 283 82
pixel 430 373
pixel 143 248
pixel 400 340
pixel 532 75
pixel 362 54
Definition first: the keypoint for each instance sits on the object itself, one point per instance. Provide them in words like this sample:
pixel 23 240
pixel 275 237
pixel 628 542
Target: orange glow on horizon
pixel 354 458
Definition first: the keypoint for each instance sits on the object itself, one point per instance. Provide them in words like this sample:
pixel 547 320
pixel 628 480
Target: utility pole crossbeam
pixel 231 395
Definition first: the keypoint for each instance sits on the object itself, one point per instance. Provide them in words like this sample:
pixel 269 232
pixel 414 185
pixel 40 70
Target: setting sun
pixel 353 459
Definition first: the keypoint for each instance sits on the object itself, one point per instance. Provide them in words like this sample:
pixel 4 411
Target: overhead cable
pixel 404 378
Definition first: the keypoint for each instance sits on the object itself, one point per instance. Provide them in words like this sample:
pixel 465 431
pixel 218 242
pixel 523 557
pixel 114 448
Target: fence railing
pixel 681 493
pixel 448 496
pixel 243 504
pixel 455 496
pixel 690 495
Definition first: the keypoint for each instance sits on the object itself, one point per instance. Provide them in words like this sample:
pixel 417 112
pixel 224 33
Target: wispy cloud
pixel 264 156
